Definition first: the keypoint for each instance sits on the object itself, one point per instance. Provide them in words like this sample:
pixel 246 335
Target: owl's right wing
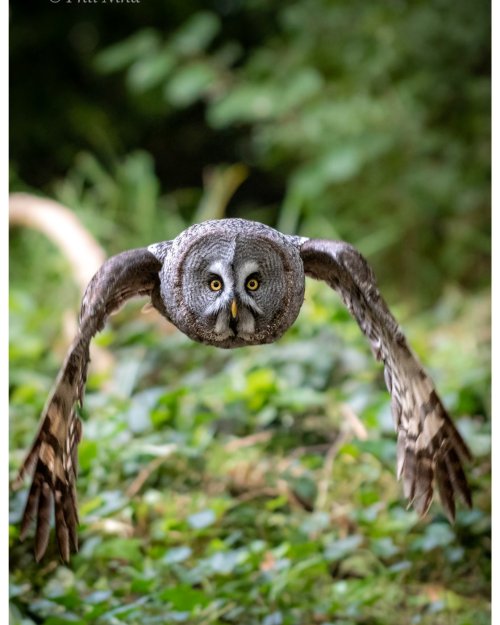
pixel 429 447
pixel 53 455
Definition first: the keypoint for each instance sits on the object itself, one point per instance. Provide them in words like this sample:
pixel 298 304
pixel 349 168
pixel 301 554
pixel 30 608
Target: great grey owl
pixel 232 283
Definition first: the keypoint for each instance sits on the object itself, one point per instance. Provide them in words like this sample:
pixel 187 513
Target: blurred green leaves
pixel 205 510
pixel 351 120
pixel 175 66
pixel 377 133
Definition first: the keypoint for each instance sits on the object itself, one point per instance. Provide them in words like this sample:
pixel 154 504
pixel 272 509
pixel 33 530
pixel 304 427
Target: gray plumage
pixel 232 283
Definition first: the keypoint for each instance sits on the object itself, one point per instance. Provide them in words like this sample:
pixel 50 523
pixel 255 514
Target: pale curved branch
pixel 63 228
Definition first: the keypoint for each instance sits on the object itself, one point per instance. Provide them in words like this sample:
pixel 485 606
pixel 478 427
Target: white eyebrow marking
pixel 249 267
pixel 246 269
pixel 216 267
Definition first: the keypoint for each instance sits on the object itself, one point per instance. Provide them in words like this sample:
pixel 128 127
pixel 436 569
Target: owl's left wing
pixel 53 455
pixel 429 447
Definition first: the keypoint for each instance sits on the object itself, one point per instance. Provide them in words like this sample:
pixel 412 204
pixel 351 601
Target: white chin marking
pixel 222 325
pixel 246 324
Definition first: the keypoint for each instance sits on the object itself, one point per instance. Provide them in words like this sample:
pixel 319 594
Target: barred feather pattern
pixel 53 456
pixel 429 447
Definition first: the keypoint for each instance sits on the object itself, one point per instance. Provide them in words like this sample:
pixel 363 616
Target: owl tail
pixel 53 459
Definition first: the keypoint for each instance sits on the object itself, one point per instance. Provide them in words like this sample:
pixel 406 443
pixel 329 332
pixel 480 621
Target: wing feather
pixel 53 456
pixel 429 447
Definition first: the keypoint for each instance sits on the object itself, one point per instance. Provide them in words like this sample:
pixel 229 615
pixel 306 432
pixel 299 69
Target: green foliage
pixel 205 495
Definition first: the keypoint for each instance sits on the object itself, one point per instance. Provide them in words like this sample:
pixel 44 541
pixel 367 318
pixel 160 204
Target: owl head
pixel 231 282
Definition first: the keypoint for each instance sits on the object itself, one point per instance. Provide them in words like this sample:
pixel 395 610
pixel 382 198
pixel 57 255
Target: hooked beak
pixel 234 309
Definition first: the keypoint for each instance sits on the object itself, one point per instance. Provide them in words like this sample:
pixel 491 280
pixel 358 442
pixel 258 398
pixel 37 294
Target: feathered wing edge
pixel 429 447
pixel 53 456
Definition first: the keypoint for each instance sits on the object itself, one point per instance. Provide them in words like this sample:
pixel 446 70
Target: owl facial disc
pixel 232 282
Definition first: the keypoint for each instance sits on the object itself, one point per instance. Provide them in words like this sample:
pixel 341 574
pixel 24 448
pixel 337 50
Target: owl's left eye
pixel 252 284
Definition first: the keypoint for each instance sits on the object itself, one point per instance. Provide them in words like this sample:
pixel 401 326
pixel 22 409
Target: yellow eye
pixel 252 284
pixel 216 284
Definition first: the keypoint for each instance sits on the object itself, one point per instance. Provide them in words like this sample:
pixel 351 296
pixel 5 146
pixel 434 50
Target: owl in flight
pixel 233 283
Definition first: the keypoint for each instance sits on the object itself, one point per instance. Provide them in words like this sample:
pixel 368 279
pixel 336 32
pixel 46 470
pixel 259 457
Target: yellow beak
pixel 234 309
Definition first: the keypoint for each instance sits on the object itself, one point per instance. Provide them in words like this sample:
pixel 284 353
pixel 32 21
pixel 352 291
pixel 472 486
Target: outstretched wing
pixel 53 456
pixel 429 447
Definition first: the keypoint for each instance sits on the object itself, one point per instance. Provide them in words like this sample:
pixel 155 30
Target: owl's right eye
pixel 215 284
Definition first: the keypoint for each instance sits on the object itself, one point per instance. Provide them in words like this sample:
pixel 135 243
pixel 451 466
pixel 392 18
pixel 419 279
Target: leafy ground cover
pixel 254 486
